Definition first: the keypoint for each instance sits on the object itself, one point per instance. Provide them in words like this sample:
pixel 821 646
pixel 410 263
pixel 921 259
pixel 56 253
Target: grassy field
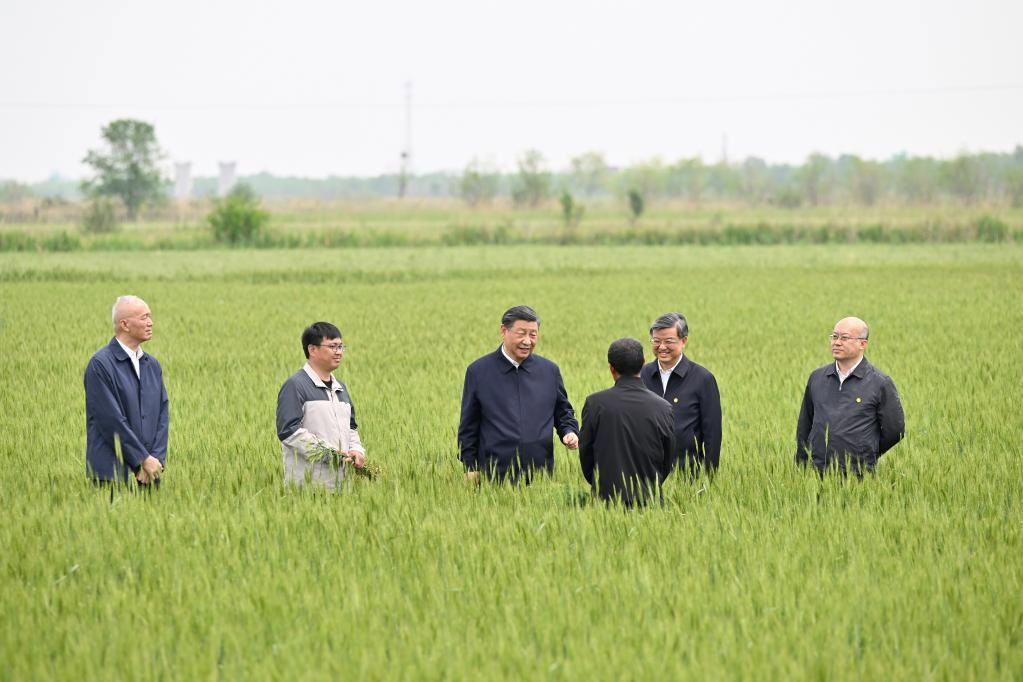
pixel 768 573
pixel 418 222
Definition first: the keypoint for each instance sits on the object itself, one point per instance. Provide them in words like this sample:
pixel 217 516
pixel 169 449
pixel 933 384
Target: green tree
pixel 687 178
pixel 237 218
pixel 571 210
pixel 961 177
pixel 867 179
pixel 813 177
pixel 533 181
pixel 589 173
pixel 635 205
pixel 478 184
pixel 127 167
pixel 755 180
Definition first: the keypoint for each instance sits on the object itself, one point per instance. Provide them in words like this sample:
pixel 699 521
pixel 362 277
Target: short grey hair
pixel 676 321
pixel 115 315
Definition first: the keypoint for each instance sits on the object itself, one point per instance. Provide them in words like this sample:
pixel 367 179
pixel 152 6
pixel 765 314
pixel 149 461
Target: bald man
pixel 851 414
pixel 125 399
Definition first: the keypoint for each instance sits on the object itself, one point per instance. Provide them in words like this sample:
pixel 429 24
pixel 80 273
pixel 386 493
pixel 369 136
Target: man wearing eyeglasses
pixel 315 414
pixel 692 392
pixel 512 403
pixel 851 413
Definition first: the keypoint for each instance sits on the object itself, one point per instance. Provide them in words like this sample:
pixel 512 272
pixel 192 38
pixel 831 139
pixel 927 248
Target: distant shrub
pixel 991 229
pixel 17 241
pixel 100 216
pixel 635 205
pixel 62 241
pixel 237 219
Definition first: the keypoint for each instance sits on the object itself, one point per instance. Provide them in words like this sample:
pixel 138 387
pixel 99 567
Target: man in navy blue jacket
pixel 692 392
pixel 125 398
pixel 512 402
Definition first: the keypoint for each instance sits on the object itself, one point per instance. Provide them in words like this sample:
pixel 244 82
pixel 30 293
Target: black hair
pixel 519 312
pixel 315 333
pixel 676 321
pixel 626 356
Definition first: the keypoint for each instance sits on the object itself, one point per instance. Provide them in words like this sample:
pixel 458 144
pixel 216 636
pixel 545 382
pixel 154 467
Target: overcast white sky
pixel 317 88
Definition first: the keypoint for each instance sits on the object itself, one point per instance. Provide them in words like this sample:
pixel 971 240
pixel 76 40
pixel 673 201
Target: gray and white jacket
pixel 309 415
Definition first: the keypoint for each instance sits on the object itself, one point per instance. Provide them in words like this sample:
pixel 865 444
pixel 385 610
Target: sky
pixel 318 88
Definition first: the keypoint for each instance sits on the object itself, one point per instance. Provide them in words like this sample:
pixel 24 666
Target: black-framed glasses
pixel 334 347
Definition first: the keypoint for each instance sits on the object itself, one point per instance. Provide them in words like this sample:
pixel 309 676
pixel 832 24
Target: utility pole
pixel 406 152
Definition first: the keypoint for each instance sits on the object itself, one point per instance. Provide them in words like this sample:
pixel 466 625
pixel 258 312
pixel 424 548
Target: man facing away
pixel 628 438
pixel 126 400
pixel 851 413
pixel 315 415
pixel 692 392
pixel 512 402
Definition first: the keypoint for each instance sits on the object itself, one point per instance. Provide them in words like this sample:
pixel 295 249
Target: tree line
pixel 127 168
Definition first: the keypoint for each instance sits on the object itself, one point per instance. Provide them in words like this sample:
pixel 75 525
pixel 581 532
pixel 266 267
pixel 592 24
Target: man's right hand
pixel 473 477
pixel 150 470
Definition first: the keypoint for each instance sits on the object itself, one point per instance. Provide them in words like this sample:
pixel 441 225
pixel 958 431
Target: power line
pixel 524 103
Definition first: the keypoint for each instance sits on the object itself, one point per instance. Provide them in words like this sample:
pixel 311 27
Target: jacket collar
pixel 119 353
pixel 627 382
pixel 859 372
pixel 653 369
pixel 317 381
pixel 507 366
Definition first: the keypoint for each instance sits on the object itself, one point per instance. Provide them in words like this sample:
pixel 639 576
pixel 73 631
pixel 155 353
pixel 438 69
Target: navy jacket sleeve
pixel 586 439
pixel 803 426
pixel 891 417
pixel 469 424
pixel 710 423
pixel 564 415
pixel 101 396
pixel 163 425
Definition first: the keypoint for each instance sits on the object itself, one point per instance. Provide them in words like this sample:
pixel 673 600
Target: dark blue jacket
pixel 509 415
pixel 696 406
pixel 848 424
pixel 118 402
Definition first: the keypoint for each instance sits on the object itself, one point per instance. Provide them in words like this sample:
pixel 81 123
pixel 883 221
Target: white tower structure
pixel 183 181
pixel 227 178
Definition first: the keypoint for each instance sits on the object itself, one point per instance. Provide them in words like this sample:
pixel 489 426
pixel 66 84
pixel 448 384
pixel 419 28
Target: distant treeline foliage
pixel 819 180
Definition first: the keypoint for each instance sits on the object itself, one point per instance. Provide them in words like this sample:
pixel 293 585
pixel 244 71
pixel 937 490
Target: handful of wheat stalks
pixel 321 453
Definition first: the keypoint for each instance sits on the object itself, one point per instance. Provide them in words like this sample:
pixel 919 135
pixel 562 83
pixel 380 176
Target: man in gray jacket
pixel 315 415
pixel 851 414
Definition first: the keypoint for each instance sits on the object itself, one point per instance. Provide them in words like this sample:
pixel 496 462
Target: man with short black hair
pixel 126 400
pixel 628 440
pixel 512 402
pixel 315 414
pixel 851 413
pixel 692 392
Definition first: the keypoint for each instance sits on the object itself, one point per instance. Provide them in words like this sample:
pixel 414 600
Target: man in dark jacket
pixel 692 392
pixel 628 439
pixel 125 399
pixel 512 402
pixel 851 413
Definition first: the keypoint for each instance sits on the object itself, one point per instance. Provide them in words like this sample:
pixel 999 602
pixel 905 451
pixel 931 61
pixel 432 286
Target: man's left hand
pixel 355 457
pixel 571 441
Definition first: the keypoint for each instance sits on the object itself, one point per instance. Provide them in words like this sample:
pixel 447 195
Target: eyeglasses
pixel 667 343
pixel 334 347
pixel 844 338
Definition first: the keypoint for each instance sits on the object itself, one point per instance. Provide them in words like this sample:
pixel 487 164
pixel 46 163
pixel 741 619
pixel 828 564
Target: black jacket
pixel 627 441
pixel 509 415
pixel 858 421
pixel 696 406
